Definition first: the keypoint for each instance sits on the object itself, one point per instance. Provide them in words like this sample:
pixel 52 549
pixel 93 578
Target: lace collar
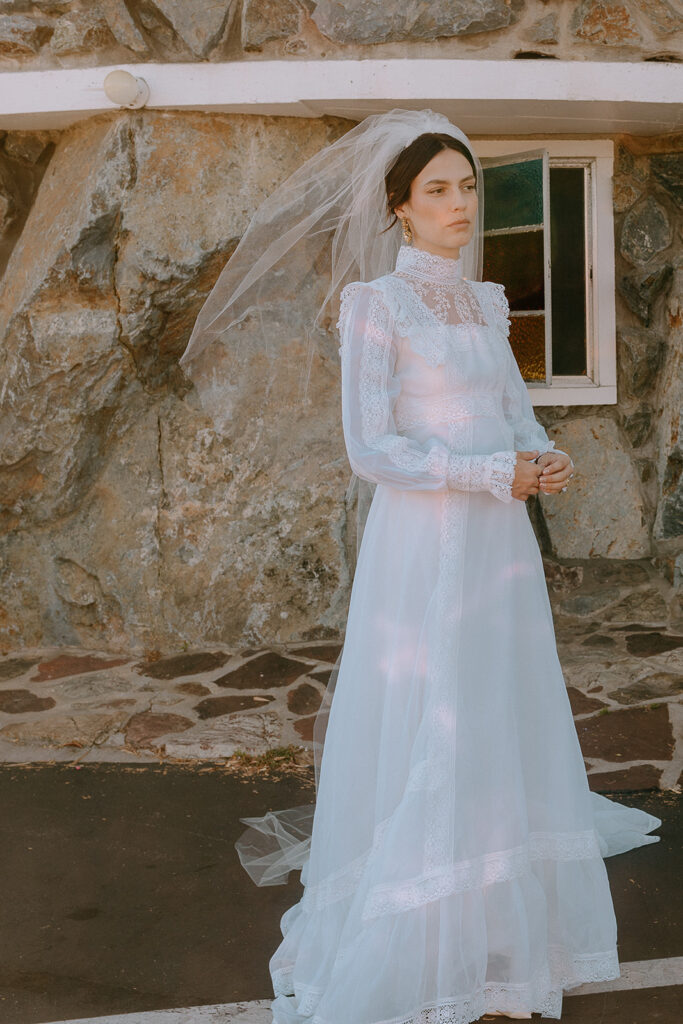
pixel 428 266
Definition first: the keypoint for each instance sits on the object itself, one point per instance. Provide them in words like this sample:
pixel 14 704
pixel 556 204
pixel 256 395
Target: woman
pixel 455 865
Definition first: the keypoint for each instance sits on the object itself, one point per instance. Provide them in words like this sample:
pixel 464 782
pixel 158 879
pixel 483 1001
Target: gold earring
pixel 407 231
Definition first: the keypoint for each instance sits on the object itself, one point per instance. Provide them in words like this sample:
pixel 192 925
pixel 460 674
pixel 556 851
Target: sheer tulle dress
pixel 456 862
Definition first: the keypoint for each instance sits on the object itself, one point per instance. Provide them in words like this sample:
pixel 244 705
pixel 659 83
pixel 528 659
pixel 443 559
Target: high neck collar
pixel 428 266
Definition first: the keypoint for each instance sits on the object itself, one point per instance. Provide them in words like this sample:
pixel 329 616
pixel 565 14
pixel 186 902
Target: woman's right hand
pixel 527 475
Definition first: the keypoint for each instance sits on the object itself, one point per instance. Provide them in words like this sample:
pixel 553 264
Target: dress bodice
pixel 433 307
pixel 449 358
pixel 432 396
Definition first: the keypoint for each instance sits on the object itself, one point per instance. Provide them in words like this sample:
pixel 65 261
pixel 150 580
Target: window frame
pixel 514 159
pixel 599 386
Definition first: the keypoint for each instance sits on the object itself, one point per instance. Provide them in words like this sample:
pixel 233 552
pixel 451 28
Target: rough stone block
pixel 265 20
pixel 609 24
pixel 122 25
pixel 213 707
pixel 21 36
pixel 80 31
pixel 646 230
pixel 200 26
pixel 667 170
pixel 146 727
pixel 372 21
pixel 639 734
pixel 641 776
pixel 603 512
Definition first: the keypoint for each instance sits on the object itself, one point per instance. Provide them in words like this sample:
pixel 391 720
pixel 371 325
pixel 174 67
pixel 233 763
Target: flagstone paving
pixel 623 681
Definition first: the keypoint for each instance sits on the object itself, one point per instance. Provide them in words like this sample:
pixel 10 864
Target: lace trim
pixel 542 994
pixel 443 661
pixel 421 778
pixel 501 306
pixel 451 305
pixel 403 451
pixel 434 320
pixel 502 474
pixel 499 866
pixel 493 473
pixel 344 882
pixel 428 265
pixel 348 294
pixel 281 978
pixel 307 996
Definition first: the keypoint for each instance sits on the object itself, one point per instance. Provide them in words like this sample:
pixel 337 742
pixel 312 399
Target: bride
pixel 453 863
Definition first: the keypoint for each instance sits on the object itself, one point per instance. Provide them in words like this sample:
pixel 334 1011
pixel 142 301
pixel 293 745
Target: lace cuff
pixel 501 474
pixel 493 473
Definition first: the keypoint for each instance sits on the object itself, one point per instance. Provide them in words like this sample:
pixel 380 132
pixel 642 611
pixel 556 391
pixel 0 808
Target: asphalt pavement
pixel 124 895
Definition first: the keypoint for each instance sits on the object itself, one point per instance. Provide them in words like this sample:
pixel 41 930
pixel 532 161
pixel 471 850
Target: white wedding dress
pixel 456 859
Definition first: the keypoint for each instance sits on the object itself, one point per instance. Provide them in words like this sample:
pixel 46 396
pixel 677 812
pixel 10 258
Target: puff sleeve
pixel 370 387
pixel 529 434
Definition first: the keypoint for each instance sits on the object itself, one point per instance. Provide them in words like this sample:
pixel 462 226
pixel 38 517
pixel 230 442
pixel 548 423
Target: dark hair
pixel 412 160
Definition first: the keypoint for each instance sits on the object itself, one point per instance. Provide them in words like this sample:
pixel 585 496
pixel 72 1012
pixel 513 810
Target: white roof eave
pixel 484 97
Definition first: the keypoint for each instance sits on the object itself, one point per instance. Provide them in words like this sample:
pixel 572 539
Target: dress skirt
pixel 457 856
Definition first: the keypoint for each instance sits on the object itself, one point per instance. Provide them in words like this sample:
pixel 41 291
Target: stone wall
pixel 68 33
pixel 128 524
pixel 125 520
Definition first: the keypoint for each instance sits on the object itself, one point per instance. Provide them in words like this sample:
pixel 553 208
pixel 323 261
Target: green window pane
pixel 568 262
pixel 516 260
pixel 513 194
pixel 527 340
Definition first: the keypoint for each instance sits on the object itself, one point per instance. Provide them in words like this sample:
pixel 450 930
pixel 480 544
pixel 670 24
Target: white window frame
pixel 599 386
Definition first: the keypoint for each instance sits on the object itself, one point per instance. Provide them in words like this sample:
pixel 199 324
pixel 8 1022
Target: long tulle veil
pixel 329 217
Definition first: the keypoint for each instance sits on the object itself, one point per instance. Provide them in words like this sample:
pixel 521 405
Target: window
pixel 549 238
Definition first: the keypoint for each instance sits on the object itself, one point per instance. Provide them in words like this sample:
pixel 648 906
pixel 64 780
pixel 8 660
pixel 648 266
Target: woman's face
pixel 442 207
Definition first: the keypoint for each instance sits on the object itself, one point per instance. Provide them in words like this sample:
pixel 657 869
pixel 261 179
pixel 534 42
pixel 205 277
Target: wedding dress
pixel 456 864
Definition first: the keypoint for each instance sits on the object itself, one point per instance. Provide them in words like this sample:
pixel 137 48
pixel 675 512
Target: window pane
pixel 516 260
pixel 527 340
pixel 568 263
pixel 513 194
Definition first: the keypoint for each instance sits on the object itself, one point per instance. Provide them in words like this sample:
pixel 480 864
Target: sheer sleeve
pixel 529 434
pixel 370 387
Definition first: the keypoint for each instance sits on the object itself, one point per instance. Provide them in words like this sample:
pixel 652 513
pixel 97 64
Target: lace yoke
pixel 439 285
pixel 431 303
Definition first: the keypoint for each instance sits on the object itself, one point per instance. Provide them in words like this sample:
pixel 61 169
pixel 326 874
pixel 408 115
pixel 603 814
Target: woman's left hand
pixel 557 469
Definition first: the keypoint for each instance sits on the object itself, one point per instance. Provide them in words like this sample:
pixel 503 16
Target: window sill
pixel 572 391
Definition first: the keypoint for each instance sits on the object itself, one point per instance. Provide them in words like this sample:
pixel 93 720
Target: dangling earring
pixel 407 232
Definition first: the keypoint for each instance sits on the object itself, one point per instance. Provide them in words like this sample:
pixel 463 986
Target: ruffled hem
pixel 542 994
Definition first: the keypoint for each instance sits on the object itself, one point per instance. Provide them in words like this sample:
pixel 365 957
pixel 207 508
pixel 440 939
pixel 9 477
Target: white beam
pixel 485 97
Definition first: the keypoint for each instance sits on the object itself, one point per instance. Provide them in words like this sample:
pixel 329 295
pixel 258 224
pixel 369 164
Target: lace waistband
pixel 412 411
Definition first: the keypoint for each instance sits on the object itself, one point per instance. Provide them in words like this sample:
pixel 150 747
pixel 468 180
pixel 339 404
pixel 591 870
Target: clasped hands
pixel 548 476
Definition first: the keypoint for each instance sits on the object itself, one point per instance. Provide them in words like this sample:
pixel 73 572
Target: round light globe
pixel 125 89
